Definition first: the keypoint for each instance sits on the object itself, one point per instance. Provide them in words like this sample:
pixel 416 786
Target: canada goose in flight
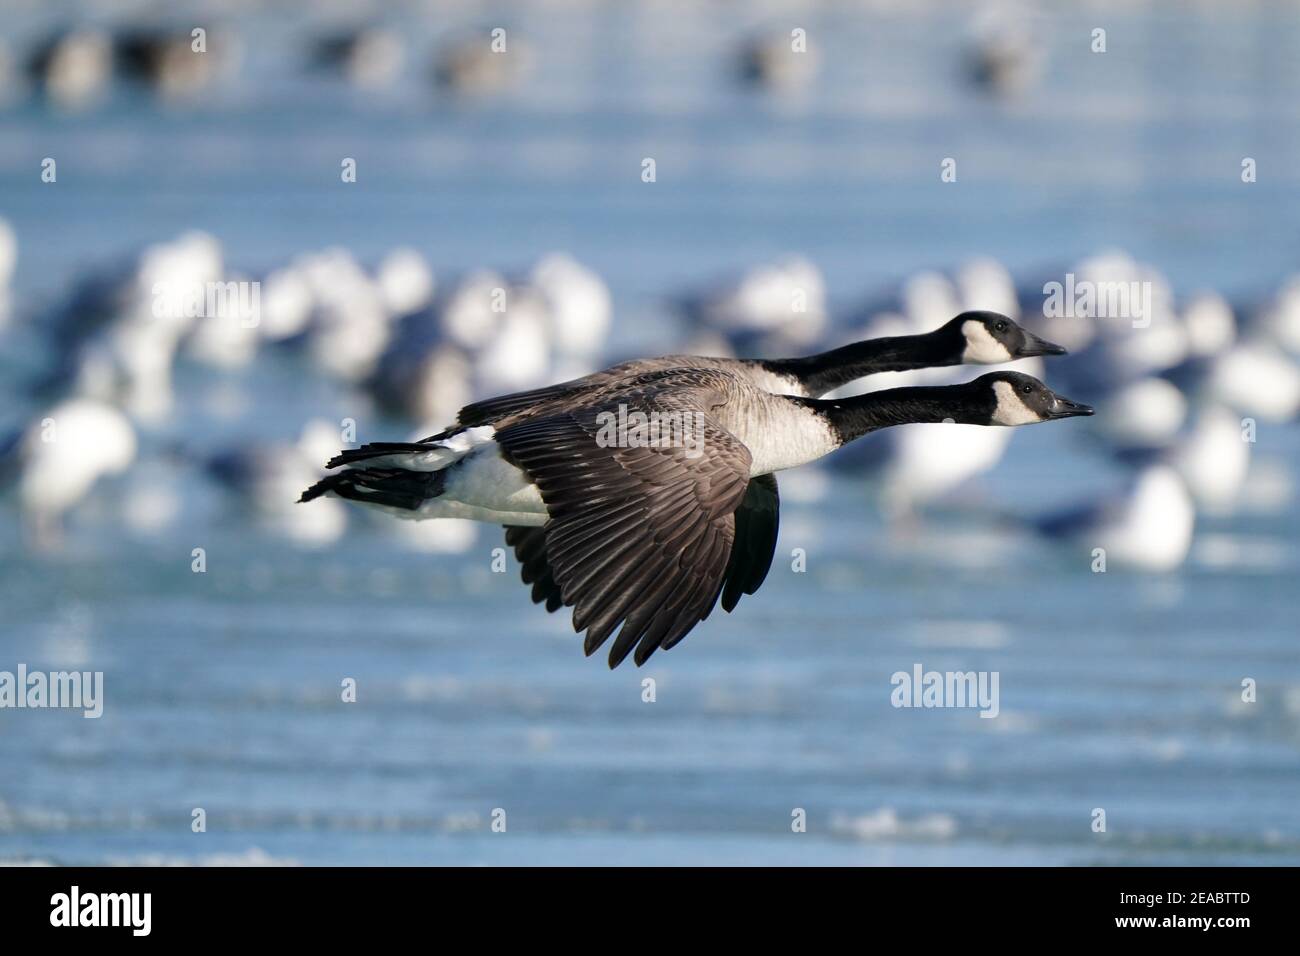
pixel 634 527
pixel 980 338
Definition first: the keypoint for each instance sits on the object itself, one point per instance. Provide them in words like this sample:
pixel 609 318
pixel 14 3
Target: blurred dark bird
pixel 72 68
pixel 777 62
pixel 479 64
pixel 369 58
pixel 175 64
pixel 1003 59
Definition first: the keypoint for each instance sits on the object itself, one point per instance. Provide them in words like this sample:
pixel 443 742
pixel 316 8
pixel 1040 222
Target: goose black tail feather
pixel 757 521
pixel 394 487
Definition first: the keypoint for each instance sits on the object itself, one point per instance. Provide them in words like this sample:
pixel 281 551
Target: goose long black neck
pixel 851 418
pixel 827 371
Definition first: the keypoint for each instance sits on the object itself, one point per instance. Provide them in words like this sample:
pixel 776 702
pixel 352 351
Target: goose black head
pixel 989 338
pixel 1014 398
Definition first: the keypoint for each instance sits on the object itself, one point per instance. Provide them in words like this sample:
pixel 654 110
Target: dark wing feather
pixel 530 550
pixel 490 411
pixel 638 537
pixel 494 409
pixel 757 520
pixel 548 398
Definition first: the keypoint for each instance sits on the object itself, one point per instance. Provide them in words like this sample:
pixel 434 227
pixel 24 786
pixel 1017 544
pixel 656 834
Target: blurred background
pixel 386 172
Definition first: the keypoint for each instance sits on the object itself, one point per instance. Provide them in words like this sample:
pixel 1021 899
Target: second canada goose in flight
pixel 640 503
pixel 979 338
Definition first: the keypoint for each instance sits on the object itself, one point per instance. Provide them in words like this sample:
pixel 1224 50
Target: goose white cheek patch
pixel 1011 410
pixel 981 346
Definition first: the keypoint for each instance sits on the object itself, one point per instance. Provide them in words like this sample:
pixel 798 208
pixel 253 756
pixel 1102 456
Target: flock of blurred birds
pixel 73 68
pixel 1181 395
pixel 1176 396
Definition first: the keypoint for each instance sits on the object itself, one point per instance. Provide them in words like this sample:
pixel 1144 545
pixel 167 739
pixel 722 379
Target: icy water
pixel 1118 691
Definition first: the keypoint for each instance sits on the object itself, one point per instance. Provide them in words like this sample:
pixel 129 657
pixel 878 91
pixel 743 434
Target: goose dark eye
pixel 1000 327
pixel 1027 389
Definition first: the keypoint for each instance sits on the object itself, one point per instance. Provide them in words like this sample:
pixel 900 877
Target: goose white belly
pixel 485 487
pixel 480 485
pixel 785 437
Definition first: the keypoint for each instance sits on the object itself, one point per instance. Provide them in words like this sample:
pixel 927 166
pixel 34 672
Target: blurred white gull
pixel 228 338
pixel 504 328
pixel 1209 323
pixel 1075 332
pixel 929 299
pixel 1133 346
pixel 1257 379
pixel 518 355
pixel 473 311
pixel 286 303
pixel 369 57
pixel 1281 318
pixel 923 463
pixel 350 324
pixel 771 61
pixel 779 306
pixel 406 282
pixel 1213 458
pixel 984 283
pixel 74 68
pixel 1250 373
pixel 579 305
pixel 119 335
pixel 1148 526
pixel 60 457
pixel 468 64
pixel 1210 453
pixel 489 334
pixel 262 476
pixel 1146 413
pixel 1110 351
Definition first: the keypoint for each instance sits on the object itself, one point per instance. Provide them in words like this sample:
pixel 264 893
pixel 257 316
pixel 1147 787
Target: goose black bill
pixel 1036 345
pixel 1062 407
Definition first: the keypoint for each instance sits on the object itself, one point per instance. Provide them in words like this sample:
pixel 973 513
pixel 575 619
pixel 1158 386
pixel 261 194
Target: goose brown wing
pixel 639 538
pixel 757 521
pixel 492 411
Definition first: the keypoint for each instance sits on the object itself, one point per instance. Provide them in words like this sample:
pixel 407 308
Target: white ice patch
pixel 981 347
pixel 1011 409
